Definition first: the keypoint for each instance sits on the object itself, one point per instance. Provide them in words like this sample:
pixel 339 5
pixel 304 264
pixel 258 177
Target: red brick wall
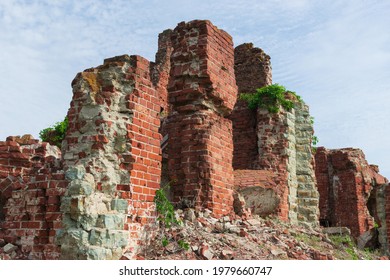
pixel 322 175
pixel 145 161
pixel 252 70
pixel 202 67
pixel 161 76
pixel 31 185
pixel 345 181
pixel 265 179
pixel 249 178
pixel 244 136
pixel 200 161
pixel 202 91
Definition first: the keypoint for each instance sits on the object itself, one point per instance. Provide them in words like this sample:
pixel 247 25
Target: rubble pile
pixel 10 251
pixel 200 236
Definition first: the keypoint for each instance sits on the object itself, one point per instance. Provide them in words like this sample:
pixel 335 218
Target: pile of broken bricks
pixel 238 238
pixel 228 238
pixel 9 251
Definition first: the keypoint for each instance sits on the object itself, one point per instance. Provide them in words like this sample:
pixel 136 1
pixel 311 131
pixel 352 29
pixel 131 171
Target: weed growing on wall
pixel 55 134
pixel 314 138
pixel 270 97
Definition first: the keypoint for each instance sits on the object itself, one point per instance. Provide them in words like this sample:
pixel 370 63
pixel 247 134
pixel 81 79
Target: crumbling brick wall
pixel 112 159
pixel 31 184
pixel 258 189
pixel 161 70
pixel 278 142
pixel 202 91
pixel 252 69
pixel 111 156
pixel 161 75
pixel 284 146
pixel 346 183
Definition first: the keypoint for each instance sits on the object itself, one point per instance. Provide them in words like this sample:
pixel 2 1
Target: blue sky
pixel 335 54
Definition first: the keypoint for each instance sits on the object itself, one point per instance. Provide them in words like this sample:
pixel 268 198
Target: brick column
pixel 202 91
pixel 252 69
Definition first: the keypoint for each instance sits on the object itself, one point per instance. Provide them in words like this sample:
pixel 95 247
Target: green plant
pixel 55 134
pixel 166 216
pixel 164 208
pixel 345 242
pixel 314 138
pixel 165 241
pixel 314 142
pixel 183 244
pixel 270 97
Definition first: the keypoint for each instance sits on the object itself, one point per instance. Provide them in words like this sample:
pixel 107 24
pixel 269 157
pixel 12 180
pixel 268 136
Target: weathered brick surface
pixel 259 190
pixel 252 69
pixel 202 68
pixel 345 183
pixel 249 178
pixel 200 161
pixel 31 185
pixel 279 142
pixel 161 70
pixel 202 91
pixel 111 162
pixel 284 148
pixel 112 159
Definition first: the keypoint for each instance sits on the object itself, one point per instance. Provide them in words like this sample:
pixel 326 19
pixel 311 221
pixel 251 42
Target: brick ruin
pixel 279 143
pixel 136 125
pixel 202 92
pixel 32 182
pixel 353 194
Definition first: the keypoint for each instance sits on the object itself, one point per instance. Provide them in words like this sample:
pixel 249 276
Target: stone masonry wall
pixel 202 91
pixel 307 193
pixel 31 185
pixel 347 186
pixel 284 146
pixel 112 160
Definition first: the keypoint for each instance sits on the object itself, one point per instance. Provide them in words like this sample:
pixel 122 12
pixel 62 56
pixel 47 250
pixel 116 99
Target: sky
pixel 334 54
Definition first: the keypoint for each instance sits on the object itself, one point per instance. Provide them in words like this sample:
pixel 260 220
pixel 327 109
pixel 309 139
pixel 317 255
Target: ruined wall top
pixel 347 186
pixel 252 67
pixel 352 159
pixel 202 64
